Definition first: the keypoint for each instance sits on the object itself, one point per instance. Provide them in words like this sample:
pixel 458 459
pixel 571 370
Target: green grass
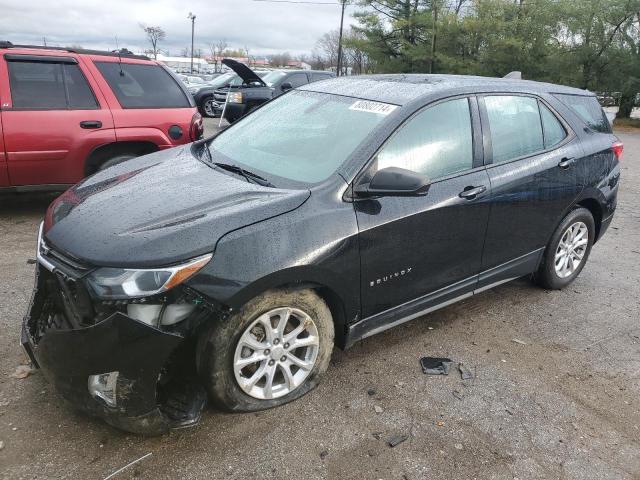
pixel 627 122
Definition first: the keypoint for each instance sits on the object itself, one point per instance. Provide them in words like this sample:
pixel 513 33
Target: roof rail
pixel 123 52
pixel 515 75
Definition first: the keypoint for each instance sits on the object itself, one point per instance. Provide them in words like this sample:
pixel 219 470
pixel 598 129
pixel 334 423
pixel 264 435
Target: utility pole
pixel 339 67
pixel 192 17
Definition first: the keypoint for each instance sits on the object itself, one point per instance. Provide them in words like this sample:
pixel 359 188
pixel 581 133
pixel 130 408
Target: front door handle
pixel 472 192
pixel 91 124
pixel 566 162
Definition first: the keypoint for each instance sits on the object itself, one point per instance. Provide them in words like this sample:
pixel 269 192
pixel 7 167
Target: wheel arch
pixel 596 210
pixel 337 299
pixel 101 154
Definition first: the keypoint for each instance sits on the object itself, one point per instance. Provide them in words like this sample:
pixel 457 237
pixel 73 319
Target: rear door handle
pixel 566 163
pixel 472 192
pixel 91 124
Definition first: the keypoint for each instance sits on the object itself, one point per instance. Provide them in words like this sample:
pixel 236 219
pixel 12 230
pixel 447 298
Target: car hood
pixel 244 72
pixel 157 210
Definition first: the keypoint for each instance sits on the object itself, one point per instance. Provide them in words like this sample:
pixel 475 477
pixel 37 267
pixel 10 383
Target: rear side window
pixel 436 142
pixel 554 132
pixel 143 86
pixel 588 109
pixel 80 94
pixel 515 126
pixel 49 86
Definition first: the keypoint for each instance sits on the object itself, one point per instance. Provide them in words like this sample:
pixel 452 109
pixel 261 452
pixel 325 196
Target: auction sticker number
pixel 373 107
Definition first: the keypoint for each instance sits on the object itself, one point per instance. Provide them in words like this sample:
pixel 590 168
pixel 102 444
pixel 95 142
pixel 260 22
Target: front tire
pixel 567 251
pixel 206 107
pixel 270 352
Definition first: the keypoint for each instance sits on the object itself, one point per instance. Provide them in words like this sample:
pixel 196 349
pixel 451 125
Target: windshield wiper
pixel 249 176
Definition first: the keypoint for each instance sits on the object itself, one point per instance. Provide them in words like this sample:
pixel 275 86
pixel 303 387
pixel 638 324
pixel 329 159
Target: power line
pixel 310 2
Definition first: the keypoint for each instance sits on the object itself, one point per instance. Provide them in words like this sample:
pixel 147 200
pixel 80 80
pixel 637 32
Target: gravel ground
pixel 563 404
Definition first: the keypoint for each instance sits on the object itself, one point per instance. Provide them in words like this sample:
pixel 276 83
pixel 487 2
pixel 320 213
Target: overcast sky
pixel 263 27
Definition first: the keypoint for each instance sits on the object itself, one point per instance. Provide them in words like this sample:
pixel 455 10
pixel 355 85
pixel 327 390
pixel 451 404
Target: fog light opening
pixel 103 386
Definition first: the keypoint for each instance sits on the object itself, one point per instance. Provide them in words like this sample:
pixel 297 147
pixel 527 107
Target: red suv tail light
pixel 196 131
pixel 617 148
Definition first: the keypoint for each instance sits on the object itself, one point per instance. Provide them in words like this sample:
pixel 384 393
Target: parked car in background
pixel 255 89
pixel 375 200
pixel 67 113
pixel 203 94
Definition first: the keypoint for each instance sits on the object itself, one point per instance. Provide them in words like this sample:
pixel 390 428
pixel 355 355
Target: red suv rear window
pixel 143 86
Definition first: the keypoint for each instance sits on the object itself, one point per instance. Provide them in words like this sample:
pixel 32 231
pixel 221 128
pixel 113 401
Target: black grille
pixel 71 266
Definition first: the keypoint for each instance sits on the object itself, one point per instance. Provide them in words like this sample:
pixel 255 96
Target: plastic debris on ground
pixel 435 366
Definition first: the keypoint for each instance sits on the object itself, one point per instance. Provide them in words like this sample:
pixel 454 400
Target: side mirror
pixel 394 182
pixel 286 86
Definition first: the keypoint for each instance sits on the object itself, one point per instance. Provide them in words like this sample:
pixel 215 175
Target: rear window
pixel 589 110
pixel 143 86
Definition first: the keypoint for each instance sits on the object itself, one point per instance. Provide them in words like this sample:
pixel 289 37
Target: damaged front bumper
pixel 133 375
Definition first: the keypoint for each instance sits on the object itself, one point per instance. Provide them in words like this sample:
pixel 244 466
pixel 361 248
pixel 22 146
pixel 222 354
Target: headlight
pixel 235 97
pixel 119 283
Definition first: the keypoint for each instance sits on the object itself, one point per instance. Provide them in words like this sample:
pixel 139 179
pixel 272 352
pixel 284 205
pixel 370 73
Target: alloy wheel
pixel 276 353
pixel 571 249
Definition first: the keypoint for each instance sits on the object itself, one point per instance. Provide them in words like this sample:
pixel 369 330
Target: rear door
pixel 146 101
pixel 51 117
pixel 530 154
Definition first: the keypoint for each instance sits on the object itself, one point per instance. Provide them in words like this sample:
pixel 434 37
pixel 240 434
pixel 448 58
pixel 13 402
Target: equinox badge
pixel 391 276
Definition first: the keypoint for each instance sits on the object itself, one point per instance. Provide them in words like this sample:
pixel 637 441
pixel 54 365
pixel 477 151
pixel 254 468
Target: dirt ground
pixel 561 402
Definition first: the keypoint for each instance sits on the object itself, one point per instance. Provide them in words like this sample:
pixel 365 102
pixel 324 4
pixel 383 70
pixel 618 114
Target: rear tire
pixel 567 251
pixel 223 350
pixel 116 160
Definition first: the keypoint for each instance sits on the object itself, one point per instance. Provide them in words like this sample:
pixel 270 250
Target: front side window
pixel 274 77
pixel 514 123
pixel 143 85
pixel 315 133
pixel 316 77
pixel 436 142
pixel 49 86
pixel 297 80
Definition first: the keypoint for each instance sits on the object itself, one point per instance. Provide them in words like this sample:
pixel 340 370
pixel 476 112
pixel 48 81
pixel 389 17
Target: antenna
pixel 119 58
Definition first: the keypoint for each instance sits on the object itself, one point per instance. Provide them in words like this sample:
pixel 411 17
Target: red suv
pixel 67 113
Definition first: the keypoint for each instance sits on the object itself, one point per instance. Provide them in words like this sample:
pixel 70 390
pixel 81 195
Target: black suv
pixel 235 264
pixel 257 88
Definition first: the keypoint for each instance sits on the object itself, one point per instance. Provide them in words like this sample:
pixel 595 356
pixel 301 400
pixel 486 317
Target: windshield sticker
pixel 373 107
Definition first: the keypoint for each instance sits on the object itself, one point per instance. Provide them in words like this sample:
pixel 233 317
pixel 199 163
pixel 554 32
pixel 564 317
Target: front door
pixel 4 173
pixel 414 246
pixel 51 118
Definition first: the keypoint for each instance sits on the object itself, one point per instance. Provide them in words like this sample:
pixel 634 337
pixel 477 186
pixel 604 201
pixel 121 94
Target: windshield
pixel 223 80
pixel 272 77
pixel 301 136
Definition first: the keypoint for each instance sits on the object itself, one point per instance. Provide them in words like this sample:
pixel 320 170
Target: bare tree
pixel 217 49
pixel 155 35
